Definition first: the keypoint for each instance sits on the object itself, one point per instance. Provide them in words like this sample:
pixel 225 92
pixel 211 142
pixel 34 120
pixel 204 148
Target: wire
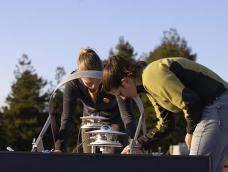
pixel 78 145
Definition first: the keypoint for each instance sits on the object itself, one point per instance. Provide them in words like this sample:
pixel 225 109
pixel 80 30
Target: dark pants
pixel 123 139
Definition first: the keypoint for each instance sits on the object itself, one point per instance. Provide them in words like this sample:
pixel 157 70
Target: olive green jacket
pixel 178 84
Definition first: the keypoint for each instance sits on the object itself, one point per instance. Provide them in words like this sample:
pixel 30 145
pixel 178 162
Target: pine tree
pixel 124 49
pixel 3 136
pixel 172 45
pixel 25 112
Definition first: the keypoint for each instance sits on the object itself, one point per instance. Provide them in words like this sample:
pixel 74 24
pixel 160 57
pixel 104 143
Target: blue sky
pixel 51 32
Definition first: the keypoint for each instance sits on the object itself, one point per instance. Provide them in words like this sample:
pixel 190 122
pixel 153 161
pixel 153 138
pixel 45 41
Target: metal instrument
pixel 92 121
pixel 105 138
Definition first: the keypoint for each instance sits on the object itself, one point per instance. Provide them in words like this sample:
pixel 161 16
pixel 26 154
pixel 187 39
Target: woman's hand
pixel 126 150
pixel 188 140
pixel 136 150
pixel 57 151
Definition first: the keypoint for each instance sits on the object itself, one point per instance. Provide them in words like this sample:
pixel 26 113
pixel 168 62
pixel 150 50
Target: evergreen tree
pixel 25 111
pixel 124 49
pixel 172 45
pixel 3 136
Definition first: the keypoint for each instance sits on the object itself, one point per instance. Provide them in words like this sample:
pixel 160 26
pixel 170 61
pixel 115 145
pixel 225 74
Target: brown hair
pixel 118 67
pixel 89 60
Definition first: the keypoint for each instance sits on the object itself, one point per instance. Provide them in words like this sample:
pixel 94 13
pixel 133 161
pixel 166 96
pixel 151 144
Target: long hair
pixel 118 67
pixel 89 60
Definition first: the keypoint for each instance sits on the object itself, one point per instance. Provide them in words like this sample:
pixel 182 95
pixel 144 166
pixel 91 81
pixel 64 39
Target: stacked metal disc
pixel 92 121
pixel 105 138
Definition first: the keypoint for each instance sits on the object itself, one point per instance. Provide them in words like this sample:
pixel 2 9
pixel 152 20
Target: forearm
pixel 67 119
pixel 127 115
pixel 192 109
pixel 66 129
pixel 158 133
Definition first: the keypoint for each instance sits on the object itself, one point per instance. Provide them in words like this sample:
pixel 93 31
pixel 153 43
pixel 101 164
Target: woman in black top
pixel 95 100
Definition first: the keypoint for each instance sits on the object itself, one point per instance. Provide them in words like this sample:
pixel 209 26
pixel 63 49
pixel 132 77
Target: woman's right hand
pixel 57 151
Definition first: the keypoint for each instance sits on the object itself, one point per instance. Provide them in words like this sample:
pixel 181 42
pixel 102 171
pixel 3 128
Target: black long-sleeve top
pixel 114 108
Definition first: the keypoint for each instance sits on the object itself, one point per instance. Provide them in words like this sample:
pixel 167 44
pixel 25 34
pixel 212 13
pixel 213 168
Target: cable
pixel 79 133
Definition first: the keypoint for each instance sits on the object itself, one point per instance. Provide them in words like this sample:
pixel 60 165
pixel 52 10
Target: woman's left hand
pixel 136 150
pixel 126 150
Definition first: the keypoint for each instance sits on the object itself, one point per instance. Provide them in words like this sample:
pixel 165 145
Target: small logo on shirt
pixel 106 100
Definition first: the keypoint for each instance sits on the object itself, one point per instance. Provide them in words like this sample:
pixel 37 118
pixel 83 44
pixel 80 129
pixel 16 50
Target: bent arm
pixel 67 119
pixel 127 115
pixel 164 126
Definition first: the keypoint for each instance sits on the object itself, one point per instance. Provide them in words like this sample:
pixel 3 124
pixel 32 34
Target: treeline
pixel 26 111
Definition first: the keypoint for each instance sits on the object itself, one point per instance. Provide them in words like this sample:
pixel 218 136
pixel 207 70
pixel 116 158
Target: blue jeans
pixel 211 134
